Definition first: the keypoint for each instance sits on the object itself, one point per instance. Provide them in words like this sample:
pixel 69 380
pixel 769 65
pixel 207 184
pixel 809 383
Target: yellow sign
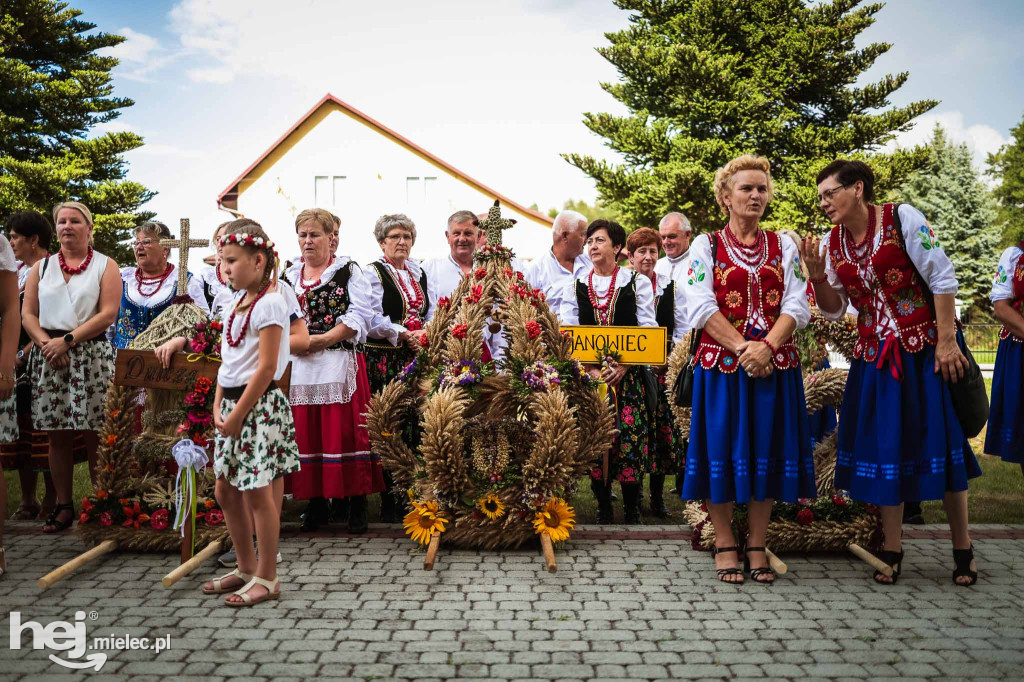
pixel 636 345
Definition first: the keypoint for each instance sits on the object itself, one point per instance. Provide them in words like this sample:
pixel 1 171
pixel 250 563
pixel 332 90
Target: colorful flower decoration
pixel 540 376
pixel 459 331
pixel 423 521
pixel 491 506
pixel 555 519
pixel 533 329
pixel 160 519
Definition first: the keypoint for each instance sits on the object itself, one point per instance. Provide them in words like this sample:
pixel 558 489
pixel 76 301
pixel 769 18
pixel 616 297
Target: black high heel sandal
pixel 756 573
pixel 963 559
pixel 725 572
pixel 895 561
pixel 59 526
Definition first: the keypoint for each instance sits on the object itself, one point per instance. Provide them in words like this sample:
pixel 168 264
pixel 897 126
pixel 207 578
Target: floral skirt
pixel 749 438
pixel 334 448
pixel 901 440
pixel 385 363
pixel 266 449
pixel 630 455
pixel 8 420
pixel 72 398
pixel 1005 434
pixel 31 448
pixel 669 446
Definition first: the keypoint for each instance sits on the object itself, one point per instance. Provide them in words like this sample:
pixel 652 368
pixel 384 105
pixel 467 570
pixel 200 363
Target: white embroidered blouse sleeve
pixel 7 261
pixel 432 291
pixel 794 295
pixel 359 315
pixel 381 326
pixel 645 313
pixel 833 281
pixel 570 311
pixel 196 293
pixel 926 253
pixel 699 283
pixel 1002 286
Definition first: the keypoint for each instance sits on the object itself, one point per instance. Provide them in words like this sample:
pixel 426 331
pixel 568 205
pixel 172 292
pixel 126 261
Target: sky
pixel 497 89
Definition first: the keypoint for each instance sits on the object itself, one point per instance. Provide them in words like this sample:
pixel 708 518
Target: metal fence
pixel 982 339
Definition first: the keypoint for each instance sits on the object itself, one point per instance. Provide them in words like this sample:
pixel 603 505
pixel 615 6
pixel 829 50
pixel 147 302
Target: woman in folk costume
pixel 10 328
pixel 1005 435
pixel 210 276
pixel 398 287
pixel 607 295
pixel 643 246
pixel 149 286
pixel 255 446
pixel 899 436
pixel 71 299
pixel 329 389
pixel 749 439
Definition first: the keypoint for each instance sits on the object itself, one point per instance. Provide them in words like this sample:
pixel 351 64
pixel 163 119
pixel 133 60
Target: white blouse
pixel 7 260
pixel 223 300
pixel 701 302
pixel 1002 286
pixel 925 253
pixel 570 312
pixel 65 306
pixel 167 289
pixel 208 275
pixel 381 326
pixel 239 363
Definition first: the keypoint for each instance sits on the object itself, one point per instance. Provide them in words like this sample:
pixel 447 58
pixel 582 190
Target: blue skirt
pixel 1005 435
pixel 901 440
pixel 823 422
pixel 749 438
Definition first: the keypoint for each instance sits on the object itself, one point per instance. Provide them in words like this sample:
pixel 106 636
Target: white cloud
pixel 136 48
pixel 168 150
pixel 980 139
pixel 115 126
pixel 216 76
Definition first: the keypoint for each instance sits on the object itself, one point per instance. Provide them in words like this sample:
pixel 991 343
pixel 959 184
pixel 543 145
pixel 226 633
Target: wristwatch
pixel 21 354
pixel 69 339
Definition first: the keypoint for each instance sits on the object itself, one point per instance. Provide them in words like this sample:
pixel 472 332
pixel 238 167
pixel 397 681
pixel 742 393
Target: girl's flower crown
pixel 245 240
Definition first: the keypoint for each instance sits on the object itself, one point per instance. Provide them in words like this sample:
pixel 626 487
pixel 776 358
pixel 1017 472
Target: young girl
pixel 255 445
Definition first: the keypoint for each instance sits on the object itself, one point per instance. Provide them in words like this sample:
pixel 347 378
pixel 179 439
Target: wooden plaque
pixel 141 368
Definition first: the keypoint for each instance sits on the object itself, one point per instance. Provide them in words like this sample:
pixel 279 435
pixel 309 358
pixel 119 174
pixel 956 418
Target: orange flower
pixel 102 494
pixel 115 413
pixel 109 467
pixel 111 439
pixel 210 504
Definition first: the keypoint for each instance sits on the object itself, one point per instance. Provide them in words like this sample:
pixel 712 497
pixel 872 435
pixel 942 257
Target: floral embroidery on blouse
pixel 695 273
pixel 1000 275
pixel 797 270
pixel 907 301
pixel 893 277
pixel 927 237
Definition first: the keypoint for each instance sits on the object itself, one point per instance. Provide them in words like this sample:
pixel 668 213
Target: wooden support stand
pixel 549 552
pixel 435 543
pixel 776 563
pixel 70 567
pixel 871 560
pixel 192 564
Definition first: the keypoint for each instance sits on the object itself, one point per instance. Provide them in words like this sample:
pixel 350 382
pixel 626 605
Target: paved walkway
pixel 617 608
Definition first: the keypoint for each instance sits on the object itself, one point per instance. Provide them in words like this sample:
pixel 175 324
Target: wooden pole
pixel 873 561
pixel 193 563
pixel 549 553
pixel 776 563
pixel 428 561
pixel 186 545
pixel 70 567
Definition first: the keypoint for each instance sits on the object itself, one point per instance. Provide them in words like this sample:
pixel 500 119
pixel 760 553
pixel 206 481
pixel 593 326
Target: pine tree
pixel 1007 165
pixel 54 87
pixel 961 211
pixel 708 80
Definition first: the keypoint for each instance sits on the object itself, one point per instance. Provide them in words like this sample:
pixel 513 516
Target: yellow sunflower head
pixel 491 506
pixel 423 521
pixel 556 519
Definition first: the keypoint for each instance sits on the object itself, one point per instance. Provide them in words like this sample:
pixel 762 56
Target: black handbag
pixel 683 388
pixel 969 395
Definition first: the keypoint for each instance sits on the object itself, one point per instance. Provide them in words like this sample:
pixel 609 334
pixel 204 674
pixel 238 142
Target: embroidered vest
pixel 394 304
pixel 1018 297
pixel 327 303
pixel 623 305
pixel 902 290
pixel 133 319
pixel 739 292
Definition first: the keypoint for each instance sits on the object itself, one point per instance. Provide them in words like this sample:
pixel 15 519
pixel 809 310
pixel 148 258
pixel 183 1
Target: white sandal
pixel 218 586
pixel 273 592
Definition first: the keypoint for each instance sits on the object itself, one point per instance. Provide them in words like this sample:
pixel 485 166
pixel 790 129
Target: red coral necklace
pixel 234 343
pixel 749 255
pixel 862 249
pixel 603 310
pixel 306 288
pixel 413 302
pixel 74 271
pixel 142 280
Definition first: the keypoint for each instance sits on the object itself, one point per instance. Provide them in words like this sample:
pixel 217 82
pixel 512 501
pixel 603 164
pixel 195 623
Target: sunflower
pixel 423 521
pixel 556 519
pixel 491 506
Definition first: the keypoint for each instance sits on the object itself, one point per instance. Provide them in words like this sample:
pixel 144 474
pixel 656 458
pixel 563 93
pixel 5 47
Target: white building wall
pixel 359 174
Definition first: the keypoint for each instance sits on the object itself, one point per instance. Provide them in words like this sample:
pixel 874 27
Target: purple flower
pixel 408 370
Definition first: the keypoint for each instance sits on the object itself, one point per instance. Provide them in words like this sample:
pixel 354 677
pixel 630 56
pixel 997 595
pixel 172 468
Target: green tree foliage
pixel 708 80
pixel 1007 165
pixel 961 211
pixel 53 88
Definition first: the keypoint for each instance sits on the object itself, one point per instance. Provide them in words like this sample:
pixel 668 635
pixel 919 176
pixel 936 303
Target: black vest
pixel 624 314
pixel 394 302
pixel 315 319
pixel 666 309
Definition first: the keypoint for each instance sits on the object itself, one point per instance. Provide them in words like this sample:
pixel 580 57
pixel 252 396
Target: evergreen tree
pixel 1007 165
pixel 961 211
pixel 708 80
pixel 53 88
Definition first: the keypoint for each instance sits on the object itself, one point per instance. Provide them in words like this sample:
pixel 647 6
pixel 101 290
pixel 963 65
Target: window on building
pixel 328 190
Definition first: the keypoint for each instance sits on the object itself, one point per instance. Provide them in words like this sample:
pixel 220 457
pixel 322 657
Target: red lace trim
pixel 712 355
pixel 913 339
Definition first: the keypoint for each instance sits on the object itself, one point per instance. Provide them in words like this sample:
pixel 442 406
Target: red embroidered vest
pixel 1018 296
pixel 739 293
pixel 902 289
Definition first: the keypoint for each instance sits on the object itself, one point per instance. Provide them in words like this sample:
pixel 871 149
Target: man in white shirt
pixel 444 273
pixel 551 272
pixel 675 233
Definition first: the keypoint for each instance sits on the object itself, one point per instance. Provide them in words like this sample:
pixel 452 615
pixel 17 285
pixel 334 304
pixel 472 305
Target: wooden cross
pixel 183 244
pixel 494 224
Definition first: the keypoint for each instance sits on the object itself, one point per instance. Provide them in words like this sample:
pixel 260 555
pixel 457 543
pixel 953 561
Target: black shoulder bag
pixel 683 388
pixel 970 399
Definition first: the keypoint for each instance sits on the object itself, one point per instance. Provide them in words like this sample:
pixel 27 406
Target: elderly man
pixel 444 273
pixel 675 233
pixel 551 272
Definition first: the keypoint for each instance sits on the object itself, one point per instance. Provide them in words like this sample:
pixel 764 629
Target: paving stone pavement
pixel 624 608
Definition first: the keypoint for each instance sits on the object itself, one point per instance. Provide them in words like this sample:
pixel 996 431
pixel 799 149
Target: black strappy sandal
pixel 895 561
pixel 756 573
pixel 724 572
pixel 59 526
pixel 963 559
